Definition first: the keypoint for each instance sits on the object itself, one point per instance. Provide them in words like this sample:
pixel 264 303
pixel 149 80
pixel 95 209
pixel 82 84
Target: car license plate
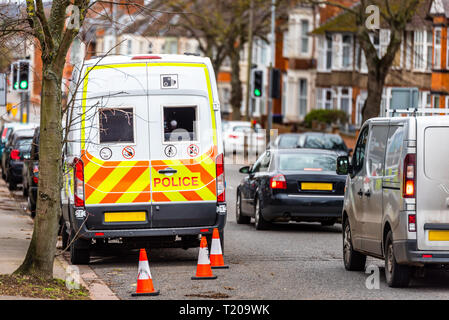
pixel 125 216
pixel 438 235
pixel 316 186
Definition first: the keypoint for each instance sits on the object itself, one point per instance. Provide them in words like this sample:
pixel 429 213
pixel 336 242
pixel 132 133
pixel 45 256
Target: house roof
pixel 440 7
pixel 345 21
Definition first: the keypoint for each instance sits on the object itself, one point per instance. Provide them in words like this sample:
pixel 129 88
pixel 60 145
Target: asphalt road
pixel 291 261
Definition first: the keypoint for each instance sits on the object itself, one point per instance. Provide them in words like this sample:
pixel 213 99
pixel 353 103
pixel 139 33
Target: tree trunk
pixel 236 84
pixel 41 252
pixel 371 108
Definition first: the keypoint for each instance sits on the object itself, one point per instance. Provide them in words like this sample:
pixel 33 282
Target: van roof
pixel 156 58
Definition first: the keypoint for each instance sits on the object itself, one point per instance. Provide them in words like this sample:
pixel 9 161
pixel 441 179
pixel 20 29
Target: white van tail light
pixel 409 176
pixel 412 222
pixel 220 179
pixel 145 57
pixel 278 182
pixel 79 182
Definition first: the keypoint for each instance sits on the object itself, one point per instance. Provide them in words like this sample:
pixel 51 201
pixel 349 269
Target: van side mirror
pixel 343 166
pixel 244 170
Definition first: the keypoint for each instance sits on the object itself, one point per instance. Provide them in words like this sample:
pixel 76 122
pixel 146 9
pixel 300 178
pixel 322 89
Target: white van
pixel 396 203
pixel 144 158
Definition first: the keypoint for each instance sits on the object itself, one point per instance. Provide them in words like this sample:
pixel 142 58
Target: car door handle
pixel 368 193
pixel 168 171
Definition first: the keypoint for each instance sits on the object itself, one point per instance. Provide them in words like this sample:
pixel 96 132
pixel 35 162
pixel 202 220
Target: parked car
pixel 291 184
pixel 312 140
pixel 236 132
pixel 5 131
pixel 396 200
pixel 30 173
pixel 17 148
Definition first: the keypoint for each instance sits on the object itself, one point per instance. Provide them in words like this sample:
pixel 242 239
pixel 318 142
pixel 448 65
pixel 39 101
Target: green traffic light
pixel 16 85
pixel 23 85
pixel 257 92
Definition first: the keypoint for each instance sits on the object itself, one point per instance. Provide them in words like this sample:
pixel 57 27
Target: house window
pixel 130 47
pixel 344 102
pixel 304 36
pixel 361 98
pixel 328 63
pixel 436 101
pixel 429 48
pixel 384 42
pixel 302 97
pixel 324 98
pixel 347 52
pixel 437 49
pixel 447 102
pixel 422 57
pixel 425 99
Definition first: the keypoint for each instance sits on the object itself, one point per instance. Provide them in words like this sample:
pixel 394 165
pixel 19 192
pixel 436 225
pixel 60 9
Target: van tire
pixel 241 219
pixel 397 275
pixel 79 251
pixel 353 260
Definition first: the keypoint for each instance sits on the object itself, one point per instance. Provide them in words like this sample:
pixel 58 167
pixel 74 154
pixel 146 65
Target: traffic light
pixel 275 83
pixel 257 83
pixel 24 75
pixel 15 76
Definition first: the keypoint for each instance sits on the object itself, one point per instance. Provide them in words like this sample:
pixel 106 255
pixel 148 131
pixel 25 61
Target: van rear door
pixel 182 145
pixel 432 183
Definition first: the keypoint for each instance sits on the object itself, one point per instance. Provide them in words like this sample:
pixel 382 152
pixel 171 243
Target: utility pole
pixel 272 64
pixel 250 61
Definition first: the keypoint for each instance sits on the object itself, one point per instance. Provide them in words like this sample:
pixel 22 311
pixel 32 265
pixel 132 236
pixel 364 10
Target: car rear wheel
pixel 259 222
pixel 238 211
pixel 397 275
pixel 31 207
pixel 353 260
pixel 79 250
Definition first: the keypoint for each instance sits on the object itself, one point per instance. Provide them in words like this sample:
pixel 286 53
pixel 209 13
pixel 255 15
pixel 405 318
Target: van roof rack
pixel 416 111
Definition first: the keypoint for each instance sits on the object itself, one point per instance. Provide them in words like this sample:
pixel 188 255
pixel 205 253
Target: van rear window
pixel 180 124
pixel 116 125
pixel 436 153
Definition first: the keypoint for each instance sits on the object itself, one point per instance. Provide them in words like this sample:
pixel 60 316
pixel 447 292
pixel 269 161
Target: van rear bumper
pixel 406 252
pixel 125 230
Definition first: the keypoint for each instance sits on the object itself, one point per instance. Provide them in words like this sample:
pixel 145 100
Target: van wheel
pixel 238 211
pixel 79 251
pixel 397 275
pixel 259 222
pixel 353 260
pixel 64 235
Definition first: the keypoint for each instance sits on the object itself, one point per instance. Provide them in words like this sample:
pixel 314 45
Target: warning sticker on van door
pixel 128 152
pixel 169 81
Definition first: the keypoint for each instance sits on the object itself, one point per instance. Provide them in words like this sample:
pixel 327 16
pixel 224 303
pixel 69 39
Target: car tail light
pixel 233 136
pixel 412 222
pixel 35 174
pixel 79 182
pixel 409 176
pixel 278 182
pixel 15 154
pixel 221 185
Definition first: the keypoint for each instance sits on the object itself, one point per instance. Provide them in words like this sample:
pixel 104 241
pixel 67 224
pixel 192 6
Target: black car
pixel 16 150
pixel 291 185
pixel 30 173
pixel 312 140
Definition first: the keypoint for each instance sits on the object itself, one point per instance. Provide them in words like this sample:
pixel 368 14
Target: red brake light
pixel 35 174
pixel 221 185
pixel 145 57
pixel 233 136
pixel 412 222
pixel 79 182
pixel 278 182
pixel 409 176
pixel 15 154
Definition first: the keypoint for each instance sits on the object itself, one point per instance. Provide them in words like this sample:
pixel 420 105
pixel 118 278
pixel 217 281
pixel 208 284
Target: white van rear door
pixel 432 184
pixel 183 146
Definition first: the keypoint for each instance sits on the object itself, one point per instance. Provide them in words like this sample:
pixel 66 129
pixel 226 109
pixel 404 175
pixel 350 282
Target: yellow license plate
pixel 125 216
pixel 438 235
pixel 316 186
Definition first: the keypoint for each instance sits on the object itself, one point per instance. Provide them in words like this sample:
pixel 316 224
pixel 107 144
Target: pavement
pixel 16 229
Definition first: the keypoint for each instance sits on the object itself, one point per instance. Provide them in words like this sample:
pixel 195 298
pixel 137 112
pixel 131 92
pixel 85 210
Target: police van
pixel 143 164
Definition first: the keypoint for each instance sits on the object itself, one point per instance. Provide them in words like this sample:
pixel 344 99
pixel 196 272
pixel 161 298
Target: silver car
pixel 396 203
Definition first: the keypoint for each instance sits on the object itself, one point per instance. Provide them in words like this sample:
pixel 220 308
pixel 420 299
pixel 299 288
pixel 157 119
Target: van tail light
pixel 35 174
pixel 412 222
pixel 278 182
pixel 409 176
pixel 233 136
pixel 79 182
pixel 15 154
pixel 221 185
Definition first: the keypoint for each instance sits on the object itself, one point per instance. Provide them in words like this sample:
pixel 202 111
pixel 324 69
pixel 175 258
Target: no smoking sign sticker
pixel 193 150
pixel 128 152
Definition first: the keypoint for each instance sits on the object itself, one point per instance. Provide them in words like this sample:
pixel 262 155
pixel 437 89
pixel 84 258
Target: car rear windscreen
pixel 436 153
pixel 326 142
pixel 307 162
pixel 116 125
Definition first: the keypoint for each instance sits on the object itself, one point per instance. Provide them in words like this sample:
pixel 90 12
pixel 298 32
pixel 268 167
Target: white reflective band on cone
pixel 216 247
pixel 203 257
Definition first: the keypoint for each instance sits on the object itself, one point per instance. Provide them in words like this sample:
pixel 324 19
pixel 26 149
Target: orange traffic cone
pixel 203 270
pixel 216 255
pixel 144 281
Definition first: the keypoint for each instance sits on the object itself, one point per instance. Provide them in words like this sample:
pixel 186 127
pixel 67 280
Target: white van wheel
pixel 353 260
pixel 397 275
